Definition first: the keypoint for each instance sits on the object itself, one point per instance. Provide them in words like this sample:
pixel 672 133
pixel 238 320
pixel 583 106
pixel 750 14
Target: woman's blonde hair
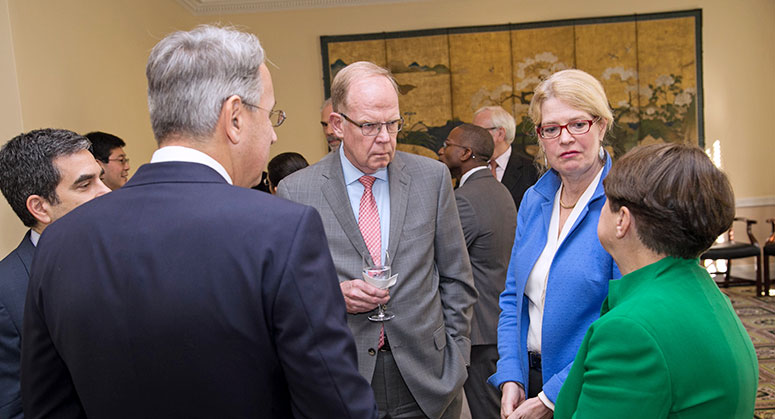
pixel 576 88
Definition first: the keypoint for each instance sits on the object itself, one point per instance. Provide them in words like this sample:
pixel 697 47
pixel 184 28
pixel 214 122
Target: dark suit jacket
pixel 519 175
pixel 489 220
pixel 14 276
pixel 434 295
pixel 179 295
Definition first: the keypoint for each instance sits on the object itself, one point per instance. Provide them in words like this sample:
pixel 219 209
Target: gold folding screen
pixel 650 66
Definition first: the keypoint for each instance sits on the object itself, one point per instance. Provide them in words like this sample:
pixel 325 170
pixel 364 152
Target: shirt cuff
pixel 546 401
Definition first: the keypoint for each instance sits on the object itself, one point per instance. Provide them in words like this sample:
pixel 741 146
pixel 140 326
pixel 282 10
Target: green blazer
pixel 667 345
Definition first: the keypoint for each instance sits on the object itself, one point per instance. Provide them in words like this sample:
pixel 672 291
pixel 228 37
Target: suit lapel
pixel 399 199
pixel 512 171
pixel 335 192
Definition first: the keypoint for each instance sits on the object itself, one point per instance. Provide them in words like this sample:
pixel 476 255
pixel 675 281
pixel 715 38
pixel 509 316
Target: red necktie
pixel 493 166
pixel 368 223
pixel 368 220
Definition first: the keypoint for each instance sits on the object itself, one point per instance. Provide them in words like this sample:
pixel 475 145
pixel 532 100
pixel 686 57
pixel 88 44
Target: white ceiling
pixel 224 7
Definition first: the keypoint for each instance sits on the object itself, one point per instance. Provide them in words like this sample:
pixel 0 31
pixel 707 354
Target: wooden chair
pixel 769 250
pixel 732 249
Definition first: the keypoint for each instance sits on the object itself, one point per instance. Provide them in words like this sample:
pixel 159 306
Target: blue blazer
pixel 180 295
pixel 576 287
pixel 14 276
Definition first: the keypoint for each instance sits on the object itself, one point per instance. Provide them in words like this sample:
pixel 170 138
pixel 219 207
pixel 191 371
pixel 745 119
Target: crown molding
pixel 224 7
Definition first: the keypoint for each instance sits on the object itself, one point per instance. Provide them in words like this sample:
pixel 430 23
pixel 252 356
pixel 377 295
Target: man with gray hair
pixel 44 174
pixel 378 204
pixel 513 169
pixel 188 304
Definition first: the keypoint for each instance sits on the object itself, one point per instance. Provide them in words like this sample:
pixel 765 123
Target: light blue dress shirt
pixel 380 189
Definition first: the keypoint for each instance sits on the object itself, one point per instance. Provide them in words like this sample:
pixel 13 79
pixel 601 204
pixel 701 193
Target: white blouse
pixel 535 290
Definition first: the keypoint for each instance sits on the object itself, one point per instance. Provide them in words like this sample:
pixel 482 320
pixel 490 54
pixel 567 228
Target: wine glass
pixel 379 276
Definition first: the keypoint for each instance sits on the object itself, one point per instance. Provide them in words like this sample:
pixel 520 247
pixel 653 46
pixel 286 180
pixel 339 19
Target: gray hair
pixel 502 119
pixel 190 75
pixel 346 76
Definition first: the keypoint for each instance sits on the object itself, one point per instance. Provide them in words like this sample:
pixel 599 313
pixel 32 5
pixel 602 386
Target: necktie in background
pixel 493 166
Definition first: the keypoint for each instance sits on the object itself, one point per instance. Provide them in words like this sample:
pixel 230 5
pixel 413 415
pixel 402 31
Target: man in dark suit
pixel 376 201
pixel 489 220
pixel 513 169
pixel 43 175
pixel 199 299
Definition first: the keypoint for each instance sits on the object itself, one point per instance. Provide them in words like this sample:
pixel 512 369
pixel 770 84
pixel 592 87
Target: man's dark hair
pixel 102 144
pixel 283 165
pixel 478 140
pixel 27 167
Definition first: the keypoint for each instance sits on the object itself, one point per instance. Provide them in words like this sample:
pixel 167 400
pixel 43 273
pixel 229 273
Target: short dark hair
pixel 478 139
pixel 680 201
pixel 102 144
pixel 27 167
pixel 283 165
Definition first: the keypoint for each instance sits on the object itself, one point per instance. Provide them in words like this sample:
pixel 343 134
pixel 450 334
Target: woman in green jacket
pixel 668 343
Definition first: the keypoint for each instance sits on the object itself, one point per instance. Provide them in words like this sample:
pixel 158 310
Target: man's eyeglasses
pixel 577 127
pixel 371 129
pixel 121 160
pixel 276 117
pixel 446 144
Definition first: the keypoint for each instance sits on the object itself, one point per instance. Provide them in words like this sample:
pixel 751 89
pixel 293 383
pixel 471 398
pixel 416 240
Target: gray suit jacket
pixel 489 220
pixel 434 296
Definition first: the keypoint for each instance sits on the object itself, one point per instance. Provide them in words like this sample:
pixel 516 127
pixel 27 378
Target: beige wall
pixel 80 65
pixel 11 229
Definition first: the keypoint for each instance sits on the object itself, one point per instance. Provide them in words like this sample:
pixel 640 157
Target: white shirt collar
pixel 352 173
pixel 186 154
pixel 34 237
pixel 468 174
pixel 503 159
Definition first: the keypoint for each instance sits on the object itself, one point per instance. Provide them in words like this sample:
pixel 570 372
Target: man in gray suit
pixel 417 363
pixel 489 219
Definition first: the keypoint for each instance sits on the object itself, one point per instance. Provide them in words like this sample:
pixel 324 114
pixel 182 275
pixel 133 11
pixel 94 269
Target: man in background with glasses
pixel 376 201
pixel 489 220
pixel 513 169
pixel 109 152
pixel 331 139
pixel 200 297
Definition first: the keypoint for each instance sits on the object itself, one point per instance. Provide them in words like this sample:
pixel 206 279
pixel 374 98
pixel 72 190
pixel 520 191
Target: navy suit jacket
pixel 180 295
pixel 14 276
pixel 519 175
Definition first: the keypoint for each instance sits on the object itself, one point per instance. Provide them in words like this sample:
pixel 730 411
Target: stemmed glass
pixel 379 276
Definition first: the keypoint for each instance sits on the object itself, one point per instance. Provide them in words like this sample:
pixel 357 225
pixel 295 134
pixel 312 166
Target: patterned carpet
pixel 758 317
